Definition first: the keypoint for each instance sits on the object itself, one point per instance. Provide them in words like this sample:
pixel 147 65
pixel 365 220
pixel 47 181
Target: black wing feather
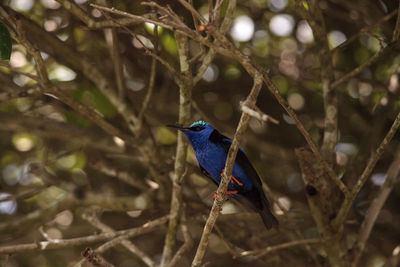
pixel 241 157
pixel 203 171
pixel 256 196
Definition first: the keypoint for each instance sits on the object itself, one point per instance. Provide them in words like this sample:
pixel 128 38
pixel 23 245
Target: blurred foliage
pixel 5 43
pixel 44 142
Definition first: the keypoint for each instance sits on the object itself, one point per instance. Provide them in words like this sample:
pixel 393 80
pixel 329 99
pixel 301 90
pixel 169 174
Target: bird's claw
pixel 227 194
pixel 233 179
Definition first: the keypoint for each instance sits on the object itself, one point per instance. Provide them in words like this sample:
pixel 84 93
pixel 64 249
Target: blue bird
pixel 211 149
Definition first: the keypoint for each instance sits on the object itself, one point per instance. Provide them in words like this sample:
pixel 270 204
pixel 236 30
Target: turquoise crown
pixel 199 123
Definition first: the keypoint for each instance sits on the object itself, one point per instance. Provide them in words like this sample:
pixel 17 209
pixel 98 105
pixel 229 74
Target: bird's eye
pixel 196 128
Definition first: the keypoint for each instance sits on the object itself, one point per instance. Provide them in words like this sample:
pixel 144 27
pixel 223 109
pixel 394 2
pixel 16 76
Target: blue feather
pixel 211 149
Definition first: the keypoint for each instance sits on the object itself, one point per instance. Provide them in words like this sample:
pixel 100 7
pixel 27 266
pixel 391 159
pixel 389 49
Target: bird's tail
pixel 266 215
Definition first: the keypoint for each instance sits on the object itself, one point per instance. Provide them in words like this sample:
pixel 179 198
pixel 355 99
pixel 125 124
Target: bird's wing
pixel 203 171
pixel 241 157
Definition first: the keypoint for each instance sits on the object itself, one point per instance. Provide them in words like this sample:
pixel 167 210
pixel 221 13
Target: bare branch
pixel 95 222
pixel 187 245
pixel 365 30
pixel 194 12
pixel 79 241
pixel 269 249
pixel 150 89
pixel 376 207
pixel 348 201
pixel 396 31
pixel 77 11
pixel 126 177
pixel 118 65
pixel 256 113
pixel 359 69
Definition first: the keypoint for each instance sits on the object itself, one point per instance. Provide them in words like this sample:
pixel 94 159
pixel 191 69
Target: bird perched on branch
pixel 211 149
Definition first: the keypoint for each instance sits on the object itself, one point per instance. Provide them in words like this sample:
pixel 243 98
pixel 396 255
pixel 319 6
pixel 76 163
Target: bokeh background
pixel 69 166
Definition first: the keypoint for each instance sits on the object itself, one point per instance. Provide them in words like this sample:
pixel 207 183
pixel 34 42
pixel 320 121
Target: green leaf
pixel 5 43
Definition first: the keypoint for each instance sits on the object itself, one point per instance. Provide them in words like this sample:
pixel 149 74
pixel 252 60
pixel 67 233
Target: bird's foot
pixel 227 194
pixel 233 179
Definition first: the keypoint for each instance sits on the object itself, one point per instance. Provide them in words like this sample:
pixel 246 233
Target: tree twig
pixel 396 31
pixel 72 242
pixel 346 205
pixel 359 69
pixel 187 245
pixel 118 65
pixel 364 29
pixel 269 249
pixel 257 114
pixel 376 207
pixel 95 222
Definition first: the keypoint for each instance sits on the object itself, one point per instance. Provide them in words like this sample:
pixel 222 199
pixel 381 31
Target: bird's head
pixel 197 133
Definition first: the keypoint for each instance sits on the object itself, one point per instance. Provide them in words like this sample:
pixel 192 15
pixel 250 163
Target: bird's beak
pixel 183 129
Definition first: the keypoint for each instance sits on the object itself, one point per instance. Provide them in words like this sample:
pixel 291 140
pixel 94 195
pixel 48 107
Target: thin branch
pixel 228 49
pixel 251 67
pixel 187 245
pixel 170 25
pixel 223 186
pixel 27 74
pixel 95 222
pixel 49 88
pixel 364 30
pixel 25 195
pixel 84 240
pixel 230 12
pixel 195 21
pixel 359 69
pixel 376 207
pixel 272 88
pixel 51 44
pixel 150 89
pixel 396 31
pixel 47 128
pixel 118 65
pixel 77 11
pixel 125 177
pixel 258 114
pixel 269 249
pixel 348 201
pixel 227 244
pixel 185 96
pixel 194 12
pixel 138 19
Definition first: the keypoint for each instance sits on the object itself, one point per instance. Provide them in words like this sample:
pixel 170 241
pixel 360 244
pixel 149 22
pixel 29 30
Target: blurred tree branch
pixel 376 206
pixel 116 66
pixel 46 245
